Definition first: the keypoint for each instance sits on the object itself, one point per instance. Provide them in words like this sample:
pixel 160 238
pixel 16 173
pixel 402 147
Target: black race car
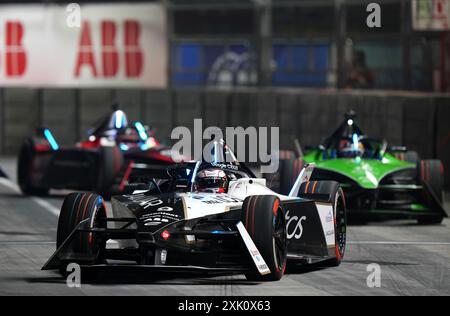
pixel 213 217
pixel 114 151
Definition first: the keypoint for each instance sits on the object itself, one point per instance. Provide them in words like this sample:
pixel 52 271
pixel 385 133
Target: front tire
pixel 340 228
pixel 430 172
pixel 410 156
pixel 265 221
pixel 77 208
pixel 25 167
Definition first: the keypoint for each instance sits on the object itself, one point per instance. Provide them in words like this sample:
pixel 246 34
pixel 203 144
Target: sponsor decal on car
pixel 216 199
pixel 159 218
pixel 294 226
pixel 225 166
pixel 165 209
pixel 253 250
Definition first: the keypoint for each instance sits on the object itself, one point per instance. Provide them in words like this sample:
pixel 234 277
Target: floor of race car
pixel 414 260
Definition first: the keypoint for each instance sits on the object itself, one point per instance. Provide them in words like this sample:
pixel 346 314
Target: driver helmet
pixel 347 149
pixel 212 181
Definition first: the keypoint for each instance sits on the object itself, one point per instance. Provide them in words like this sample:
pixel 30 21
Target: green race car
pixel 379 182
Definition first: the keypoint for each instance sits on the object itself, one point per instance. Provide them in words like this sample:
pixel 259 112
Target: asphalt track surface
pixel 414 260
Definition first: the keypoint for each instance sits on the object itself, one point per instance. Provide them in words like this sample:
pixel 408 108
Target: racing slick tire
pixel 78 207
pixel 431 172
pixel 289 168
pixel 265 221
pixel 111 163
pixel 26 160
pixel 409 156
pixel 330 191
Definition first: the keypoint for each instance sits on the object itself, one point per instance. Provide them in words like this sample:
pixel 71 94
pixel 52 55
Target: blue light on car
pixel 141 130
pixel 48 135
pixel 356 141
pixel 218 232
pixel 119 119
pixel 124 147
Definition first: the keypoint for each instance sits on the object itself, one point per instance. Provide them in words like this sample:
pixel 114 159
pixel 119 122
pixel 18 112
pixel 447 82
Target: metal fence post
pixel 341 38
pixel 406 43
pixel 264 18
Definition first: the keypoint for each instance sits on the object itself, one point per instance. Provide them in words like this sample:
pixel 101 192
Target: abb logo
pixel 108 45
pixel 15 58
pixel 132 56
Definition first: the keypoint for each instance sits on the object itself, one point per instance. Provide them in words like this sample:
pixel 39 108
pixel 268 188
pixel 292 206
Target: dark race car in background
pixel 212 217
pixel 379 182
pixel 113 152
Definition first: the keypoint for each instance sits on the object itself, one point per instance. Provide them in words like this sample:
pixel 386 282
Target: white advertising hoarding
pixel 431 15
pixel 114 45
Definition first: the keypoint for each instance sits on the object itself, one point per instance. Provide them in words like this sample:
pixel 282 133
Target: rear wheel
pixel 25 167
pixel 340 228
pixel 288 172
pixel 331 192
pixel 431 172
pixel 264 219
pixel 79 207
pixel 110 164
pixel 409 156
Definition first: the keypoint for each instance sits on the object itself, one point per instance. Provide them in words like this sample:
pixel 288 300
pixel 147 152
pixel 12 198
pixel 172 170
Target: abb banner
pixel 114 45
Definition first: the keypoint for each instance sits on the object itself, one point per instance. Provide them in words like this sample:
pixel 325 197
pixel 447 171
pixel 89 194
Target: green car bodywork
pixel 367 173
pixel 377 179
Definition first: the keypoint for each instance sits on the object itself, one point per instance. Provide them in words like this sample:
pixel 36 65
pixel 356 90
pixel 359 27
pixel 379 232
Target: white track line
pixel 26 242
pixel 44 204
pixel 400 243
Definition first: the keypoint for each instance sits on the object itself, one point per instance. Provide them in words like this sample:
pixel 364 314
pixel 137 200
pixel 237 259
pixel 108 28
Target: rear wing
pixel 304 176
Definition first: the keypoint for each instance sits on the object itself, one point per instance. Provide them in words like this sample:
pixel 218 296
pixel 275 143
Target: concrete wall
pixel 420 122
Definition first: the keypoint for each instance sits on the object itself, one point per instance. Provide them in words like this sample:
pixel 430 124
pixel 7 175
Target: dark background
pixel 298 55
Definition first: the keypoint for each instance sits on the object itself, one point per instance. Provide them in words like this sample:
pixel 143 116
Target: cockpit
pixel 110 125
pixel 116 127
pixel 214 173
pixel 350 142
